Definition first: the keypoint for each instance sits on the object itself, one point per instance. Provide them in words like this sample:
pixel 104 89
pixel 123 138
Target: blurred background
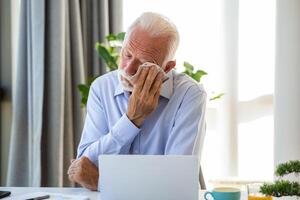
pixel 249 49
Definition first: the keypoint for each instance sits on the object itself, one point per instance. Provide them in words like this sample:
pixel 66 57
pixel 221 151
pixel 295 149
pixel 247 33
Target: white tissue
pixel 127 86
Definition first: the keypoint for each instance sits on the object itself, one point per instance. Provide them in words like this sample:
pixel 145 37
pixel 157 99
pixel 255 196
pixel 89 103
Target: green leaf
pixel 197 76
pixel 121 36
pixel 110 50
pixel 105 55
pixel 91 80
pixel 84 101
pixel 188 66
pixel 84 90
pixel 281 188
pixel 115 54
pixel 219 96
pixel 111 37
pixel 188 73
pixel 288 167
pixel 189 70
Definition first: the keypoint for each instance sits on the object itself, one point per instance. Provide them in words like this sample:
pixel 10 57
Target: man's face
pixel 140 48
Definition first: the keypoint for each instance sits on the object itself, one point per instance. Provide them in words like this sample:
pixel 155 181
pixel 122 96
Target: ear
pixel 170 65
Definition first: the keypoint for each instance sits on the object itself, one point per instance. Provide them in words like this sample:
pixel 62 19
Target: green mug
pixel 224 193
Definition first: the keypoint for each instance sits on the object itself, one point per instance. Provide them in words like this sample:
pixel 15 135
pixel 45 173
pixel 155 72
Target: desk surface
pixel 16 192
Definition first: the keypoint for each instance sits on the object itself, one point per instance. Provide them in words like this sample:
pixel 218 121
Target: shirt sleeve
pixel 97 138
pixel 188 131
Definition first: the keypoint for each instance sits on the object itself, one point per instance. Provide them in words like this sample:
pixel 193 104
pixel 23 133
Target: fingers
pixel 78 165
pixel 152 74
pixel 84 172
pixel 138 85
pixel 156 97
pixel 145 94
pixel 75 166
pixel 149 81
pixel 71 173
pixel 75 169
pixel 136 75
pixel 157 84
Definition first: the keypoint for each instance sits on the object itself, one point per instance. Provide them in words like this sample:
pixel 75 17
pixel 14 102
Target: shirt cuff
pixel 124 130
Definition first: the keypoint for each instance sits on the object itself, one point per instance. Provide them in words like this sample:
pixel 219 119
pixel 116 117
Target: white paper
pixel 53 196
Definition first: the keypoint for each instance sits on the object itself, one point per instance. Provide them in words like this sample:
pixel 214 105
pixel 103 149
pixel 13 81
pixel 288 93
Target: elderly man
pixel 141 108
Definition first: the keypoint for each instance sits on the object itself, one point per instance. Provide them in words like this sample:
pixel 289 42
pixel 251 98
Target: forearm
pixel 116 141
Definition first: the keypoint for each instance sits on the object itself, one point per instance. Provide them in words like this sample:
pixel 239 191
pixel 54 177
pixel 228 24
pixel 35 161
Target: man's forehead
pixel 142 36
pixel 139 32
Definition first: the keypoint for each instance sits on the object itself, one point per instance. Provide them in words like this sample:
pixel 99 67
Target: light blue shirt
pixel 177 126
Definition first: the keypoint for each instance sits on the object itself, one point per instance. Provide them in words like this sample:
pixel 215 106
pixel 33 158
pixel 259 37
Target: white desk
pixel 17 191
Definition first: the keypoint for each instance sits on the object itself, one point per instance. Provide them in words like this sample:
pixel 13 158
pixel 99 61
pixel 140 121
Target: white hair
pixel 157 25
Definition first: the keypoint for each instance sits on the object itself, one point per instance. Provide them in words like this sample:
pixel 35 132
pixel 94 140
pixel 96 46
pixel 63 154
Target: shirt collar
pixel 166 88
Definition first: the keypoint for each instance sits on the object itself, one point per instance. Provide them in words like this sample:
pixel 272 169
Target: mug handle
pixel 207 193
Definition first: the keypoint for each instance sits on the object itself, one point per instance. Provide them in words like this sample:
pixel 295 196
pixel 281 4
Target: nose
pixel 132 68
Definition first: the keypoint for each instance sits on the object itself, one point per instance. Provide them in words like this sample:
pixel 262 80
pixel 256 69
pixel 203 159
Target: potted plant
pixel 281 188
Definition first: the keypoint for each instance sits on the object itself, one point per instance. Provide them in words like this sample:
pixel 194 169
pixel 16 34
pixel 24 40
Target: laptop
pixel 148 177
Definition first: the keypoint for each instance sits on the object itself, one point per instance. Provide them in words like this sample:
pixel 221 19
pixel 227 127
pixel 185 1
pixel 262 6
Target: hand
pixel 145 94
pixel 84 172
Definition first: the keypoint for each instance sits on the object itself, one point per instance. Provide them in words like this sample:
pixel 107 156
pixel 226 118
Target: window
pixel 199 24
pixel 255 88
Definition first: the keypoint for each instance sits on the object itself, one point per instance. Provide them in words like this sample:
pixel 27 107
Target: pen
pixel 39 198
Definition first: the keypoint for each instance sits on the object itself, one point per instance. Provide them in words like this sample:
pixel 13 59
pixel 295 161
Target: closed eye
pixel 127 55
